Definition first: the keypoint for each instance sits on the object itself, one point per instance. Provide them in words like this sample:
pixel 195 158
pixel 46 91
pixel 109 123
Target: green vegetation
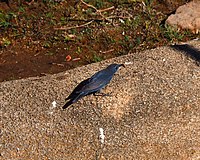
pixel 89 31
pixel 5 42
pixel 6 20
pixel 172 34
pixel 96 58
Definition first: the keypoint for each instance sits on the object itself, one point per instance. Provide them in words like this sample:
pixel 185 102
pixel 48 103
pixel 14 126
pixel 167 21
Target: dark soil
pixel 36 38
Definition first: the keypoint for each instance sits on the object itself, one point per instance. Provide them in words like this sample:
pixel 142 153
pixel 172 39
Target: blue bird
pixel 92 85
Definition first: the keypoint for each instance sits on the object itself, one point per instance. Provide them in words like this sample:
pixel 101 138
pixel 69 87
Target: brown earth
pixel 30 44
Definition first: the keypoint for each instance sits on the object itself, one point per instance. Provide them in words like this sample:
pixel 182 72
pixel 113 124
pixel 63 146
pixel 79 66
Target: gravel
pixel 153 112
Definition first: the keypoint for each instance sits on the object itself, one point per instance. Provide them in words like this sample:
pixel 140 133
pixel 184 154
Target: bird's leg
pixel 99 93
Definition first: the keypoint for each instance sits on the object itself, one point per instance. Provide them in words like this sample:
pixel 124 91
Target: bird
pixel 93 84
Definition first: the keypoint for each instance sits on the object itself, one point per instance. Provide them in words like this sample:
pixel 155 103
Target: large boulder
pixel 186 17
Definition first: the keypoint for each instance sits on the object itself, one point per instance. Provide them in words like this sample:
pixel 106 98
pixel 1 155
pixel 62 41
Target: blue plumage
pixel 92 85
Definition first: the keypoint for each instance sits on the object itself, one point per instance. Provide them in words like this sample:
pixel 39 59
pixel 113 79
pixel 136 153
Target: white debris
pixel 127 63
pixel 54 104
pixel 123 33
pixel 50 113
pixel 164 59
pixel 121 20
pixel 102 136
pixel 196 39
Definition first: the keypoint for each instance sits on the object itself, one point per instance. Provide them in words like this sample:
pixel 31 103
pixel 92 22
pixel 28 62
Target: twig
pixel 107 51
pixel 114 17
pixel 86 20
pixel 98 11
pixel 58 64
pixel 91 6
pixel 76 59
pixel 106 9
pixel 67 28
pixel 100 20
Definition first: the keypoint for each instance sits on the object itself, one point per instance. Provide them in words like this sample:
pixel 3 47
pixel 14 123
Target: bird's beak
pixel 122 65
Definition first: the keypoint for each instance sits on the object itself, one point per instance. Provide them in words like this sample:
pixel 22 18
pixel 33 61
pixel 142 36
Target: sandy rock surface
pixel 153 111
pixel 186 17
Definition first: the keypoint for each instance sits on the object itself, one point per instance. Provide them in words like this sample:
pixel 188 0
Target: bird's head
pixel 114 67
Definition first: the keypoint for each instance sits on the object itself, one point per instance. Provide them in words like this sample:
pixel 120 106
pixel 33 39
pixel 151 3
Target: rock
pixel 186 17
pixel 168 6
pixel 152 113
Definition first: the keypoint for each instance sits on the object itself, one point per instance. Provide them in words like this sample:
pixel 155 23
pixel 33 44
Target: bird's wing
pixel 77 89
pixel 97 75
pixel 91 85
pixel 96 83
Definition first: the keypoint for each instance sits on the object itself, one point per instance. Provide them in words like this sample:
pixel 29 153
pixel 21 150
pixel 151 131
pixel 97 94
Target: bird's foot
pixel 102 94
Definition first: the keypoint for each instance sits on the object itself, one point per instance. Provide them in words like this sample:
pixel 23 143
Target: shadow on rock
pixel 189 50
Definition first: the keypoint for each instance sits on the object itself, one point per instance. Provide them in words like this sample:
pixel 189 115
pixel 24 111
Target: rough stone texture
pixel 168 6
pixel 186 17
pixel 153 112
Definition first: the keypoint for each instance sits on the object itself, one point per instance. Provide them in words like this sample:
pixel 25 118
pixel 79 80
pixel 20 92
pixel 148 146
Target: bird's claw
pixel 102 94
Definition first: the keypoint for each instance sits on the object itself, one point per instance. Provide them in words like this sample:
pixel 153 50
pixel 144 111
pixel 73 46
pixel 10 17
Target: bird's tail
pixel 71 101
pixel 67 104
